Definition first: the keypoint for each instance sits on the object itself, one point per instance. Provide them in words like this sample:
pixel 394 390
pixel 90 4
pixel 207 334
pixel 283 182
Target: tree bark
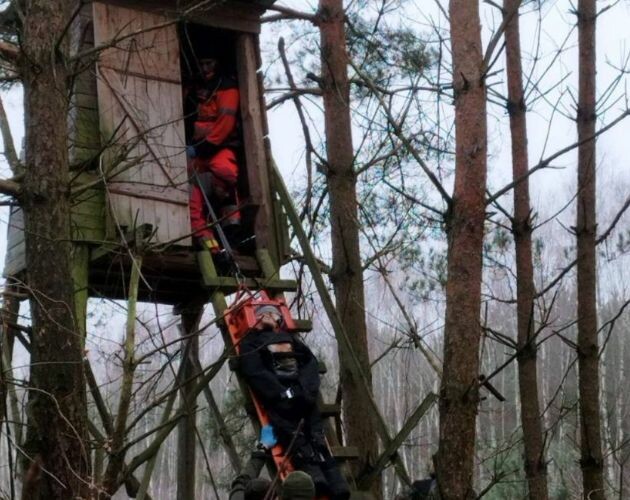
pixel 347 273
pixel 465 226
pixel 535 466
pixel 586 232
pixel 57 429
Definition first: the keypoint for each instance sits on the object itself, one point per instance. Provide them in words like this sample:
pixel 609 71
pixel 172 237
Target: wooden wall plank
pixel 139 92
pixel 140 42
pixel 84 138
pixel 237 16
pixel 87 224
pixel 253 136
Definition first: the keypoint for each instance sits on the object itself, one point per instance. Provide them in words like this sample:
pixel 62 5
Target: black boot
pixel 223 263
pixel 319 480
pixel 337 484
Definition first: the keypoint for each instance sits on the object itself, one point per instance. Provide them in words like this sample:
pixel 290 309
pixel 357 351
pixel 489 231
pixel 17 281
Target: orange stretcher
pixel 240 318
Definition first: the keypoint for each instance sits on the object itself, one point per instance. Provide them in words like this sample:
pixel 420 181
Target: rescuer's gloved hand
pixel 205 149
pixel 267 436
pixel 191 152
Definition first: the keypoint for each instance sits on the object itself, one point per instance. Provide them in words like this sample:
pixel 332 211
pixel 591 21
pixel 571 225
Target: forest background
pixel 401 67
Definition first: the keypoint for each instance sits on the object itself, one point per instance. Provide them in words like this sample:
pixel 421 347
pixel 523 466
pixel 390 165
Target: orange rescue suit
pixel 214 167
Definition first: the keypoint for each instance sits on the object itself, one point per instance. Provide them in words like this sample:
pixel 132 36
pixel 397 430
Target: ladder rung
pixel 230 285
pixel 303 325
pixel 345 452
pixel 361 495
pixel 321 367
pixel 329 410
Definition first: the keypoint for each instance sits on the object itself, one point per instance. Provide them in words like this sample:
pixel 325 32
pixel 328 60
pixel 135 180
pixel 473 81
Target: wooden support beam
pixel 167 422
pixel 223 431
pixel 186 429
pixel 80 271
pixel 252 120
pixel 329 410
pixel 335 321
pixel 345 452
pixel 229 285
pixel 390 454
pixel 303 325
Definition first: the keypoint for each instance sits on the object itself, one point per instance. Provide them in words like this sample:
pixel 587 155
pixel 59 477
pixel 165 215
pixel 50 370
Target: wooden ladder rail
pixel 274 286
pixel 339 452
pixel 333 316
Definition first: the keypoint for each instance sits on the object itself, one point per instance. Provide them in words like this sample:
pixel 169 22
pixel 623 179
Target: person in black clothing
pixel 284 375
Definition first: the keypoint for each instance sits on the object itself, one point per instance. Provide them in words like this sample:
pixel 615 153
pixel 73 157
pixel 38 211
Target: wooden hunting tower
pixel 129 182
pixel 127 142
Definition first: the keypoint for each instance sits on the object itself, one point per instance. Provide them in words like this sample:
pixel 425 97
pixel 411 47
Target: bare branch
pixel 399 133
pixel 547 161
pixel 285 13
pixel 9 52
pixel 10 187
pixel 292 94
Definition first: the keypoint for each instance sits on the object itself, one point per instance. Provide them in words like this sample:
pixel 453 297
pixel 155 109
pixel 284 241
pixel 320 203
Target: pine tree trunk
pixel 462 332
pixel 56 435
pixel 586 231
pixel 347 273
pixel 535 466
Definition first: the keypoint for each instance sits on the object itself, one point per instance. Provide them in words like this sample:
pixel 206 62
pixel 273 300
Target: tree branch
pixel 288 13
pixel 9 52
pixel 10 187
pixel 546 162
pixel 399 133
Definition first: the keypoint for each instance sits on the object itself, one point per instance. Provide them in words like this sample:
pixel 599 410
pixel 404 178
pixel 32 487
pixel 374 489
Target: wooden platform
pixel 167 278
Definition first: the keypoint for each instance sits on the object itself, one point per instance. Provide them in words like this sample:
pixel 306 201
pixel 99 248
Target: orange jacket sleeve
pixel 225 124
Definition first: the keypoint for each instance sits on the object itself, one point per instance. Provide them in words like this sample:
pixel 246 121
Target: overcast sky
pixel 548 132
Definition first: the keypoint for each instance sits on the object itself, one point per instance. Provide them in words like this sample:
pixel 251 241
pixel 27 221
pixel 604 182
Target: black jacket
pixel 257 366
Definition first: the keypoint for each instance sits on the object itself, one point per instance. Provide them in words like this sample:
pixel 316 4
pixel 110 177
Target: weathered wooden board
pixel 87 223
pixel 253 137
pixel 83 132
pixel 15 260
pixel 241 16
pixel 141 111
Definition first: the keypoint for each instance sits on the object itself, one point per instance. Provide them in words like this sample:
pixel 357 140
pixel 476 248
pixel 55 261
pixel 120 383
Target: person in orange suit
pixel 213 166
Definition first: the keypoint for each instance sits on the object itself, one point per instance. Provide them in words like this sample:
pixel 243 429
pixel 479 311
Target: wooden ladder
pixel 219 287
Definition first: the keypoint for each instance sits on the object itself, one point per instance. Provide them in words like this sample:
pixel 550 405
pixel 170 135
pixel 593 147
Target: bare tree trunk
pixel 535 466
pixel 462 332
pixel 115 466
pixel 347 273
pixel 57 430
pixel 586 232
